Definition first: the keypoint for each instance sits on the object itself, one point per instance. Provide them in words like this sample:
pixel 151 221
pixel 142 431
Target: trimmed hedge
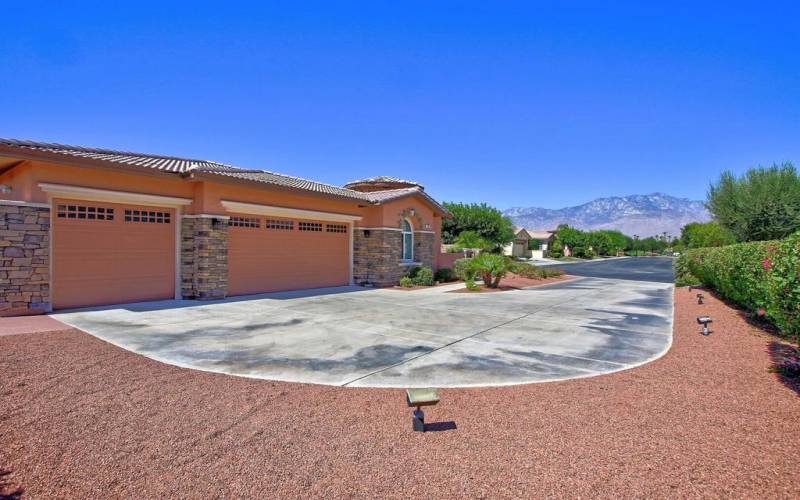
pixel 761 276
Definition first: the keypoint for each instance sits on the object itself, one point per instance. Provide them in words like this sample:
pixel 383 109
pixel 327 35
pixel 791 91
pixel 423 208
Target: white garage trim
pixel 120 197
pixel 351 257
pixel 92 194
pixel 253 208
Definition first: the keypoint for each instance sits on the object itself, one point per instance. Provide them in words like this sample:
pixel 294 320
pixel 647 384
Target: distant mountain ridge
pixel 641 214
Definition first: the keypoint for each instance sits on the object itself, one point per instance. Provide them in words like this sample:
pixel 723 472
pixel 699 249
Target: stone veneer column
pixel 376 258
pixel 24 259
pixel 204 257
pixel 423 248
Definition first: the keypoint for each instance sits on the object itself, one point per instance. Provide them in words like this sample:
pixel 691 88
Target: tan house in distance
pixel 521 246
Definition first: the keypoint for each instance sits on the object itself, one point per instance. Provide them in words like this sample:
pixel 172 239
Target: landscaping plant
pixel 490 267
pixel 444 275
pixel 487 222
pixel 423 276
pixel 763 204
pixel 472 240
pixel 534 272
pixel 420 276
pixel 761 276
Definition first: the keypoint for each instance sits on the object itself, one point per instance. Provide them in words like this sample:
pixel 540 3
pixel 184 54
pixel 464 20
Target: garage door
pixel 105 253
pixel 270 254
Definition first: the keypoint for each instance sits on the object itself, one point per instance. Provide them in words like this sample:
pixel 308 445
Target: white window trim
pixel 410 233
pixel 254 208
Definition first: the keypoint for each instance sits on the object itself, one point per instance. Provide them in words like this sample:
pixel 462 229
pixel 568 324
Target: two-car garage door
pixel 267 254
pixel 109 253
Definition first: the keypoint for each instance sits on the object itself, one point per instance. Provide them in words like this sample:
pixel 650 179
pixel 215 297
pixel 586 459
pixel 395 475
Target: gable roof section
pixel 379 197
pixel 202 168
pixel 532 234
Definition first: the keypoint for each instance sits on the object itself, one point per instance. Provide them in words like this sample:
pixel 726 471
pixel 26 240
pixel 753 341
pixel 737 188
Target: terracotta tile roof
pixel 177 165
pixel 157 162
pixel 382 179
pixel 188 166
pixel 394 194
pixel 288 181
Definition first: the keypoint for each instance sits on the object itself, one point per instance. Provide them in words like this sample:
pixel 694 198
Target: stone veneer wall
pixel 423 249
pixel 376 258
pixel 204 257
pixel 24 260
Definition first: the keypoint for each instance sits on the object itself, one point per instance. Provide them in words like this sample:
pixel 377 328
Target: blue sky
pixel 517 104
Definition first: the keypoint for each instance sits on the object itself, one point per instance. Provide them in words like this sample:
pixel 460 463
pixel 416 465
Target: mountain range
pixel 641 214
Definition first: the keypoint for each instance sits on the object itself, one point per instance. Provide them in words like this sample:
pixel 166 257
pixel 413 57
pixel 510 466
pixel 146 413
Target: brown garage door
pixel 105 253
pixel 268 254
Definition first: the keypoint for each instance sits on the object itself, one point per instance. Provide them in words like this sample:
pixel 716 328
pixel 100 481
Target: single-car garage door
pixel 268 254
pixel 107 253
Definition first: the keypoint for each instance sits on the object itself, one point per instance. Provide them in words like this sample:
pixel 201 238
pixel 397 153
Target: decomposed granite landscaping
pixel 82 418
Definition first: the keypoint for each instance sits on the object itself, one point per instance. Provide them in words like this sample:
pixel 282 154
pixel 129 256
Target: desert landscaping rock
pixel 82 418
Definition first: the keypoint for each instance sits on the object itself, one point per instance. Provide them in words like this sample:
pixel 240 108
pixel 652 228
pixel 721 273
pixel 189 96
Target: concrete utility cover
pixel 389 338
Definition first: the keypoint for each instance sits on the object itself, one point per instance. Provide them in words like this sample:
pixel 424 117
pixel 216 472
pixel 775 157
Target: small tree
pixel 763 204
pixel 471 240
pixel 705 234
pixel 488 222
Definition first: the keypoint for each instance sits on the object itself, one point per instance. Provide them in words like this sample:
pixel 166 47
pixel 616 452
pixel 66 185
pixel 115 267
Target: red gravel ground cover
pixel 82 418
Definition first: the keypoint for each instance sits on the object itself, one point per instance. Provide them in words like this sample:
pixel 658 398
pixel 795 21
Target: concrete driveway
pixel 391 338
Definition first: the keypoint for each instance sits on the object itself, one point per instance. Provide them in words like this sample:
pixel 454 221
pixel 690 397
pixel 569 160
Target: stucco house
pixel 521 245
pixel 86 226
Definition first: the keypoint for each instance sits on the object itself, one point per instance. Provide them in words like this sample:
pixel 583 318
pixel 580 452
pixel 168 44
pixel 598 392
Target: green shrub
pixel 423 276
pixel 684 276
pixel 761 276
pixel 406 282
pixel 460 268
pixel 534 272
pixel 550 272
pixel 444 275
pixel 490 267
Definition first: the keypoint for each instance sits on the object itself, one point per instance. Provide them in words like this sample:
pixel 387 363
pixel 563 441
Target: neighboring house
pixel 529 243
pixel 84 226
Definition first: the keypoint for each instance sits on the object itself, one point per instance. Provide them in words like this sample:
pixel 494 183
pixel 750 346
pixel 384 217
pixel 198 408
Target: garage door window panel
pixel 248 222
pixel 84 212
pixel 147 216
pixel 281 224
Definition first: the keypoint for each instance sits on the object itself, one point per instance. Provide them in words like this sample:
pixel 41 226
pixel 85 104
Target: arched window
pixel 407 241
